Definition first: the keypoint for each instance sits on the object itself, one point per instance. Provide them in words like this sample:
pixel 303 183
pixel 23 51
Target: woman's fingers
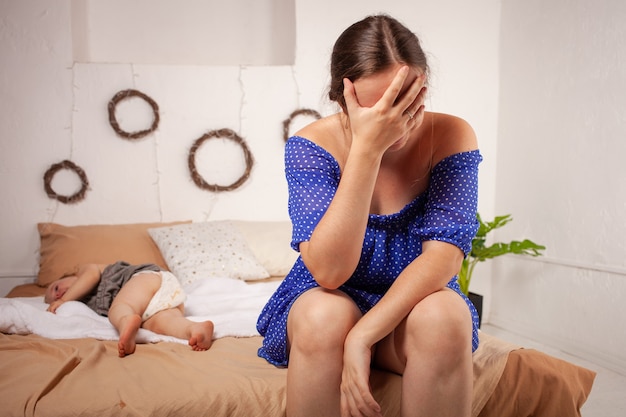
pixel 380 126
pixel 349 95
pixel 393 91
pixel 357 398
pixel 354 403
pixel 345 408
pixel 415 96
pixel 349 407
pixel 416 109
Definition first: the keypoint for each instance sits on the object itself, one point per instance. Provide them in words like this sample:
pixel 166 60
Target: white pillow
pixel 270 241
pixel 196 251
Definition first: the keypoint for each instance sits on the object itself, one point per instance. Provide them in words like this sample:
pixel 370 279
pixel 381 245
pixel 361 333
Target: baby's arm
pixel 87 277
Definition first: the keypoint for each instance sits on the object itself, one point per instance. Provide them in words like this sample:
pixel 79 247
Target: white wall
pixel 560 141
pixel 53 109
pixel 207 32
pixel 561 172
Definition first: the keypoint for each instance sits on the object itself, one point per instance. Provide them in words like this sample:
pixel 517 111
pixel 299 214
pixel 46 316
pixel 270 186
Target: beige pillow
pixel 64 248
pixel 534 383
pixel 270 241
pixel 203 250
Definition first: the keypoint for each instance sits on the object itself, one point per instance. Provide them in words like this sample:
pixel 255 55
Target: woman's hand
pixel 380 126
pixel 356 396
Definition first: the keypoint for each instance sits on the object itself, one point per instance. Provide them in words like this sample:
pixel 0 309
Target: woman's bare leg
pixel 172 322
pixel 432 348
pixel 318 323
pixel 128 307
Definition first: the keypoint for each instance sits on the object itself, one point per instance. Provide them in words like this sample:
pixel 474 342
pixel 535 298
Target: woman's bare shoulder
pixel 452 135
pixel 323 132
pixel 317 128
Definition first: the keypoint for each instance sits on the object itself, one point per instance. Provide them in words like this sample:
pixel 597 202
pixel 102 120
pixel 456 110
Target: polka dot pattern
pixel 445 212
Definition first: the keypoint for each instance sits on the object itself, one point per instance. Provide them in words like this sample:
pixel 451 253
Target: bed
pixel 67 364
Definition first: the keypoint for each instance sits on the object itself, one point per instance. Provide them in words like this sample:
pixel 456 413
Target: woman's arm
pixel 428 273
pixel 334 249
pixel 425 275
pixel 439 261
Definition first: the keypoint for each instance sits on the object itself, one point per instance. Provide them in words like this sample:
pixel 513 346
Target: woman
pixel 382 196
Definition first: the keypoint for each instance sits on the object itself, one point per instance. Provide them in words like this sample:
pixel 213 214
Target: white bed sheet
pixel 232 305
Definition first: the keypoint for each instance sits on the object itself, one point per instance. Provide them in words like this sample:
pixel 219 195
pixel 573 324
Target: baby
pixel 132 296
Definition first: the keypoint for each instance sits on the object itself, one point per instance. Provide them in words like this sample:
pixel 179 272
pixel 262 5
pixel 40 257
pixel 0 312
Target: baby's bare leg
pixel 128 306
pixel 172 322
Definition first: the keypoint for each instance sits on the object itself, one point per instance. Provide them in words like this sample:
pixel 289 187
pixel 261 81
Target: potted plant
pixel 481 252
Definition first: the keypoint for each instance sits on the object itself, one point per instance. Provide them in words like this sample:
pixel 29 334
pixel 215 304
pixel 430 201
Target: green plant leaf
pixel 525 247
pixel 486 227
pixel 480 252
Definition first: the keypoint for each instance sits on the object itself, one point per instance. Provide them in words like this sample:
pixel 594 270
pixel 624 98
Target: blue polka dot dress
pixel 445 212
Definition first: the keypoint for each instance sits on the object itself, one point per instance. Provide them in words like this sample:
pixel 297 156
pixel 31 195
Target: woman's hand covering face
pixel 379 107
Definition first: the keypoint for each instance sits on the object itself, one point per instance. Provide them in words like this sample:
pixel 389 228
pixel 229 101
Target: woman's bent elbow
pixel 329 274
pixel 330 280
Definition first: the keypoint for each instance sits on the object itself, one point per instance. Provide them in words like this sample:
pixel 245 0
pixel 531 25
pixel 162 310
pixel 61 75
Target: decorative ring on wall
pixel 293 115
pixel 51 172
pixel 123 95
pixel 226 134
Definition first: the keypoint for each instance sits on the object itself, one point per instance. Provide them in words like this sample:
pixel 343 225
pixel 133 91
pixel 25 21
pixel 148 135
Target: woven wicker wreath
pixel 123 95
pixel 69 165
pixel 225 134
pixel 293 115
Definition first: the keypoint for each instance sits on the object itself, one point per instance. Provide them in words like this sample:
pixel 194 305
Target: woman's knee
pixel 321 318
pixel 441 322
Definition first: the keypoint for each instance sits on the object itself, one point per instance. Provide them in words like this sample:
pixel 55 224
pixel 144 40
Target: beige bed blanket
pixel 44 377
pixel 69 377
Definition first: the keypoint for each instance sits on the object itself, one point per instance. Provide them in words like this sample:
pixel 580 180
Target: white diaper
pixel 169 295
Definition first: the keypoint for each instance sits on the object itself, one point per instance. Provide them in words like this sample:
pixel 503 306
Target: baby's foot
pixel 201 335
pixel 128 331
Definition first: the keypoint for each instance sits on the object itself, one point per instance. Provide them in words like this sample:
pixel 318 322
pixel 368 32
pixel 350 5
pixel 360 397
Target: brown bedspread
pixel 46 377
pixel 43 377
